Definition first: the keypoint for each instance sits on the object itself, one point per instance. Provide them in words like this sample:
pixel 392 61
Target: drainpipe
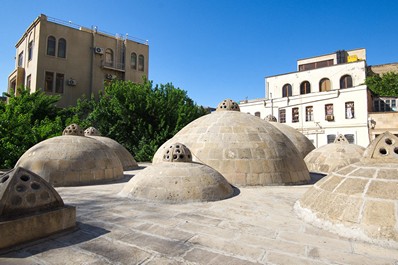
pixel 92 62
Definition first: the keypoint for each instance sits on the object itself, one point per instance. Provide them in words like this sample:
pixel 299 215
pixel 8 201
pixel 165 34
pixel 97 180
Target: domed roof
pixel 360 200
pixel 243 148
pixel 127 160
pixel 177 180
pixel 23 193
pixel 334 156
pixel 70 160
pixel 302 143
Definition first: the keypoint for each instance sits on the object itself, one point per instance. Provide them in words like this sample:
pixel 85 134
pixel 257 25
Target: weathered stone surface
pixel 253 153
pixel 361 200
pixel 127 160
pixel 248 228
pixel 302 143
pixel 71 160
pixel 178 182
pixel 334 156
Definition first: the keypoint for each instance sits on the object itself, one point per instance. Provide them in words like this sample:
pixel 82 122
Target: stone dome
pixel 334 156
pixel 70 160
pixel 73 129
pixel 246 150
pixel 228 105
pixel 360 200
pixel 177 180
pixel 22 193
pixel 302 143
pixel 127 159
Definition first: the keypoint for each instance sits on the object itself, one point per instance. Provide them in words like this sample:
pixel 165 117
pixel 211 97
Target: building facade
pixel 65 59
pixel 325 97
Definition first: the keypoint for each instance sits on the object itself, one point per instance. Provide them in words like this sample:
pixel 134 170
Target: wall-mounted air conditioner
pixel 71 82
pixel 99 50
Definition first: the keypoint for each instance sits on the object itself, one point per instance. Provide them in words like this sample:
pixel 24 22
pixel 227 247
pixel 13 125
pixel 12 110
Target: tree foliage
pixel 385 85
pixel 141 117
pixel 26 120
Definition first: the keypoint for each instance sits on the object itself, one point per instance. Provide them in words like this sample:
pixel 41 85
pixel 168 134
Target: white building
pixel 325 97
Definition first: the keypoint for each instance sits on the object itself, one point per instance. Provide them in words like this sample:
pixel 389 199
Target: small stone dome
pixel 302 143
pixel 270 118
pixel 71 160
pixel 91 131
pixel 73 129
pixel 360 200
pixel 228 104
pixel 177 153
pixel 331 157
pixel 177 180
pixel 23 193
pixel 127 159
pixel 246 150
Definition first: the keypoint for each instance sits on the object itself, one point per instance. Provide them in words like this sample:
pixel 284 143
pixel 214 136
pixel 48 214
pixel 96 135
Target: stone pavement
pixel 257 226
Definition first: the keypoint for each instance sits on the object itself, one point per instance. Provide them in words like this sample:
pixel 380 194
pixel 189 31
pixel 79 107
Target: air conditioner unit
pixel 71 82
pixel 329 118
pixel 99 50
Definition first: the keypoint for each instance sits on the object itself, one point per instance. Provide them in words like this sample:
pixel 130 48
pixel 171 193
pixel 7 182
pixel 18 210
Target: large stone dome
pixel 178 180
pixel 331 157
pixel 302 143
pixel 71 159
pixel 243 148
pixel 127 160
pixel 360 200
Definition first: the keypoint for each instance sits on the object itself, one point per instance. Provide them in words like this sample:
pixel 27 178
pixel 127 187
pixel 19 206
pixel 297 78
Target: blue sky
pixel 217 49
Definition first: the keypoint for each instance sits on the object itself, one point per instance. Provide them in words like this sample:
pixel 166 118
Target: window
pixel 141 62
pixel 295 114
pixel 329 112
pixel 287 90
pixel 305 88
pixel 20 59
pixel 384 104
pixel 309 113
pixel 51 46
pixel 350 138
pixel 282 116
pixel 324 85
pixel 346 81
pixel 109 57
pixel 331 138
pixel 320 64
pixel 329 109
pixel 30 50
pixel 257 114
pixel 134 61
pixel 28 81
pixel 59 83
pixel 62 48
pixel 48 86
pixel 349 110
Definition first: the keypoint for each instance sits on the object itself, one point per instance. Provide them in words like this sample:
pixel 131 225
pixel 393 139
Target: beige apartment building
pixel 62 58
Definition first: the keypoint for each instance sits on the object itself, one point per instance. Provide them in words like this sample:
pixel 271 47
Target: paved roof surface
pixel 258 226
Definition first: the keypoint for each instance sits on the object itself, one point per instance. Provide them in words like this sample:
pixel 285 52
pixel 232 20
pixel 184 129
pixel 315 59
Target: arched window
pixel 287 90
pixel 141 62
pixel 324 85
pixel 62 48
pixel 257 114
pixel 305 87
pixel 134 61
pixel 51 45
pixel 345 81
pixel 109 57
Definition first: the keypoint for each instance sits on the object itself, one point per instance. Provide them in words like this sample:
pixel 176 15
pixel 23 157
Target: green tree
pixel 385 85
pixel 141 117
pixel 24 121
